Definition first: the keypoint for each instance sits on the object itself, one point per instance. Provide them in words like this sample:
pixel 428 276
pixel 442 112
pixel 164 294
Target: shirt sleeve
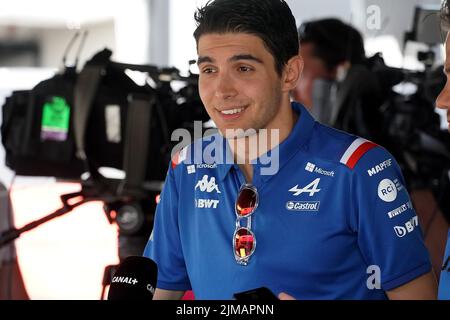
pixel 164 246
pixel 444 282
pixel 389 235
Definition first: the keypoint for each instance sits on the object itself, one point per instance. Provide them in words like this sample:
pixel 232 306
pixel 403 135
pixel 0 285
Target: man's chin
pixel 237 133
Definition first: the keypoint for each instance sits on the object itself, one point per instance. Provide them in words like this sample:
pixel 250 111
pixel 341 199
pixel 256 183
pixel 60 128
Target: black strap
pixel 85 90
pixel 136 142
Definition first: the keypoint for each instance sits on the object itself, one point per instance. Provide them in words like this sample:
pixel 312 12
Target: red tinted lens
pixel 246 202
pixel 244 243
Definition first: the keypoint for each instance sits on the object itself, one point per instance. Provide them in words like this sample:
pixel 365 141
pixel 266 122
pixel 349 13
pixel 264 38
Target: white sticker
pixel 112 121
pixel 387 191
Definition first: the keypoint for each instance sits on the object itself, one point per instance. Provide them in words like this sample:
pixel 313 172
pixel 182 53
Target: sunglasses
pixel 244 241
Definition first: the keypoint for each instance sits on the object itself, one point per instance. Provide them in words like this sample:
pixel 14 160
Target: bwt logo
pixel 206 203
pixel 409 227
pixel 374 280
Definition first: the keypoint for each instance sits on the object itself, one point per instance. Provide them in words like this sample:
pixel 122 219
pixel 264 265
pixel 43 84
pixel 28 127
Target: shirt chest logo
pixel 207 184
pixel 312 188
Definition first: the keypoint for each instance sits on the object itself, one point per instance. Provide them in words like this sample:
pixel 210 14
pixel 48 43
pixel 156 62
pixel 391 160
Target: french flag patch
pixel 355 151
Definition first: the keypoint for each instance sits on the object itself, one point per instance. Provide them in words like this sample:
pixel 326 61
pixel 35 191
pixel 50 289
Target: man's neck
pixel 249 148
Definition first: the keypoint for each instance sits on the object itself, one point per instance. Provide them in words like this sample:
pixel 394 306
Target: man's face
pixel 238 83
pixel 443 100
pixel 314 69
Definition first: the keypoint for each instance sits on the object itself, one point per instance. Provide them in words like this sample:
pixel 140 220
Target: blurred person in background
pixel 337 85
pixel 443 102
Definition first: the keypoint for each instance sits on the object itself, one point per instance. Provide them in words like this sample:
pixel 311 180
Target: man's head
pixel 248 61
pixel 326 45
pixel 443 100
pixel 270 20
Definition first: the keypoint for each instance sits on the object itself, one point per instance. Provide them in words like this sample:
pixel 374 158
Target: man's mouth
pixel 232 111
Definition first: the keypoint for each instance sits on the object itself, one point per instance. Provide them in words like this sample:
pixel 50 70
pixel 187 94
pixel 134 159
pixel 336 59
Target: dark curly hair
pixel 270 20
pixel 445 15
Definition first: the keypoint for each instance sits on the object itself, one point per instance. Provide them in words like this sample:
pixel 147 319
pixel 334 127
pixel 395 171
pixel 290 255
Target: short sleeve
pixel 444 282
pixel 164 246
pixel 389 235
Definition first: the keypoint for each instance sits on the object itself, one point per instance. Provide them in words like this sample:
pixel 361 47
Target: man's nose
pixel 225 87
pixel 443 100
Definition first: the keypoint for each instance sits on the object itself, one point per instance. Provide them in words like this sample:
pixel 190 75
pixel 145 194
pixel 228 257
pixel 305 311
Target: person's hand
pixel 285 296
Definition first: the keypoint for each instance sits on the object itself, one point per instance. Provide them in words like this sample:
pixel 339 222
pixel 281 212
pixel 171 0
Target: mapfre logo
pixel 207 185
pixel 409 227
pixel 206 203
pixel 379 167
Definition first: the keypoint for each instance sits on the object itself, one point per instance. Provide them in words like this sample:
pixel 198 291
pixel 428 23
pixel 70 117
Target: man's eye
pixel 207 70
pixel 245 69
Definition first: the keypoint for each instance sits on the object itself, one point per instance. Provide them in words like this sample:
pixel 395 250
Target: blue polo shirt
pixel 334 222
pixel 444 282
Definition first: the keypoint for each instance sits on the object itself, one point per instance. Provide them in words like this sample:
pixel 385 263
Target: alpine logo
pixel 207 185
pixel 128 280
pixel 379 167
pixel 206 203
pixel 303 205
pixel 311 167
pixel 409 227
pixel 311 188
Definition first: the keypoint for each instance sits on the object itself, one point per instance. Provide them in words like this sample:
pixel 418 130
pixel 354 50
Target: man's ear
pixel 291 73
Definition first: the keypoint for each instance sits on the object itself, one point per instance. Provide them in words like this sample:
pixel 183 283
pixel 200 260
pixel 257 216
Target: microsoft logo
pixel 310 167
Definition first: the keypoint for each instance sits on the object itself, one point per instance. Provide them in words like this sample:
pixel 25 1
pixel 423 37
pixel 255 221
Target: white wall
pixel 54 42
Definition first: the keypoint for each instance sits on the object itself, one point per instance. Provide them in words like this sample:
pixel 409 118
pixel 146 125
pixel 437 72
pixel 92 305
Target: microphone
pixel 134 279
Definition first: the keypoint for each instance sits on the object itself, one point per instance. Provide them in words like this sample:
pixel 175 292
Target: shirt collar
pixel 297 139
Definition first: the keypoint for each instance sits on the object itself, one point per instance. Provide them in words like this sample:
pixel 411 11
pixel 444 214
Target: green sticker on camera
pixel 55 119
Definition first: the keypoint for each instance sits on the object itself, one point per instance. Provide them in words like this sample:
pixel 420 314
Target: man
pixel 443 102
pixel 330 220
pixel 336 84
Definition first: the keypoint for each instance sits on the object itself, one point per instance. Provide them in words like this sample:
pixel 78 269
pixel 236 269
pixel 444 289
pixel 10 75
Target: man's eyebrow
pixel 203 59
pixel 447 69
pixel 245 57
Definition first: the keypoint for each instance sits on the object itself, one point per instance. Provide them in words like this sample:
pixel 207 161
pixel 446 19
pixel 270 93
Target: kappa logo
pixel 311 188
pixel 206 203
pixel 409 227
pixel 207 185
pixel 311 167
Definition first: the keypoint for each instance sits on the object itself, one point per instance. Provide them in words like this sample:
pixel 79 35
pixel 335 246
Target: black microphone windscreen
pixel 134 279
